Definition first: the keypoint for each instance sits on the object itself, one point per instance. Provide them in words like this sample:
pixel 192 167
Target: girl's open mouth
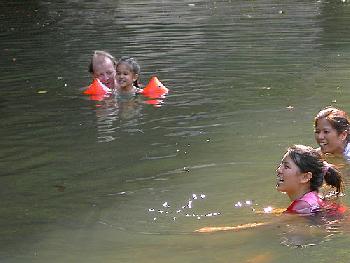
pixel 280 180
pixel 322 144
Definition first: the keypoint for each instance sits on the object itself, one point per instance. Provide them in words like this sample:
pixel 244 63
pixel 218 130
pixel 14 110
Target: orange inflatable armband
pixel 154 89
pixel 97 90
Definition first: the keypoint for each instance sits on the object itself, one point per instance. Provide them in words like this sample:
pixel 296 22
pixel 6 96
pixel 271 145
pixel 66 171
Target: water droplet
pixel 238 204
pixel 189 204
pixel 268 209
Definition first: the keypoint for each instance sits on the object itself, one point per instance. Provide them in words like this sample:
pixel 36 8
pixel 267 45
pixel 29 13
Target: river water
pixel 90 181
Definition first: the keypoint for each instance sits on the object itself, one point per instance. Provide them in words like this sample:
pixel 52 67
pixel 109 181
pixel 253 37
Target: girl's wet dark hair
pixel 102 54
pixel 133 65
pixel 309 160
pixel 338 119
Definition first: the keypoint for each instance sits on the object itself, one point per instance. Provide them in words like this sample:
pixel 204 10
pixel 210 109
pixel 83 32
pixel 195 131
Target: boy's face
pixel 104 70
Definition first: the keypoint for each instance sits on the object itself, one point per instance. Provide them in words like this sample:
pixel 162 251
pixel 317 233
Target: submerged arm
pixel 211 229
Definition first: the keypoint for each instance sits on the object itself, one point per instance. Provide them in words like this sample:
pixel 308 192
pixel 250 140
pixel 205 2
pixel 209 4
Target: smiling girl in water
pixel 332 132
pixel 127 75
pixel 300 175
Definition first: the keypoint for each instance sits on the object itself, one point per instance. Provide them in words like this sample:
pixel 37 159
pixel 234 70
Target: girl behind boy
pixel 332 127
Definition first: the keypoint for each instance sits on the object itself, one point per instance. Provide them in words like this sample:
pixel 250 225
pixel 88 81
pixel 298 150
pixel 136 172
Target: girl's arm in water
pixel 211 229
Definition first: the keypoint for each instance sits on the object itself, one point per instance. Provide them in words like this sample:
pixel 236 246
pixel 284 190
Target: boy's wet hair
pixel 133 65
pixel 337 118
pixel 309 160
pixel 101 53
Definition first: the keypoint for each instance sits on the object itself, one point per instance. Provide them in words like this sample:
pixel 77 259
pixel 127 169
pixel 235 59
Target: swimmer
pixel 127 76
pixel 332 127
pixel 300 175
pixel 102 67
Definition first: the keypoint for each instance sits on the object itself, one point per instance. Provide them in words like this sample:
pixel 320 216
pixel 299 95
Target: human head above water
pixel 332 130
pixel 102 66
pixel 128 64
pixel 309 161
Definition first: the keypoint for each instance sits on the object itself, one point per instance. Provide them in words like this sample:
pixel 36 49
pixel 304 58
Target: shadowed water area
pixel 89 181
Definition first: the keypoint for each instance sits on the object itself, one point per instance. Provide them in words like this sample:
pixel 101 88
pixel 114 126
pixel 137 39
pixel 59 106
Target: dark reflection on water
pixel 114 114
pixel 245 79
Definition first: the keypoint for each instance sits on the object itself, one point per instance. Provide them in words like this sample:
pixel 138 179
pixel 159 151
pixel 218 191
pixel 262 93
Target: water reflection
pixel 113 112
pixel 168 210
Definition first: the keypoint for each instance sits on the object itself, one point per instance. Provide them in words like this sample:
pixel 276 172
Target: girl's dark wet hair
pixel 338 119
pixel 309 160
pixel 103 54
pixel 133 65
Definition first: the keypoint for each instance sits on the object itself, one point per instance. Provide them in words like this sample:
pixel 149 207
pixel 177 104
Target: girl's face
pixel 104 70
pixel 328 138
pixel 125 77
pixel 289 177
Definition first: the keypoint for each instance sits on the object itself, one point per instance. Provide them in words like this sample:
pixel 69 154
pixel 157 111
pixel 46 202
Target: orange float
pixel 154 89
pixel 97 90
